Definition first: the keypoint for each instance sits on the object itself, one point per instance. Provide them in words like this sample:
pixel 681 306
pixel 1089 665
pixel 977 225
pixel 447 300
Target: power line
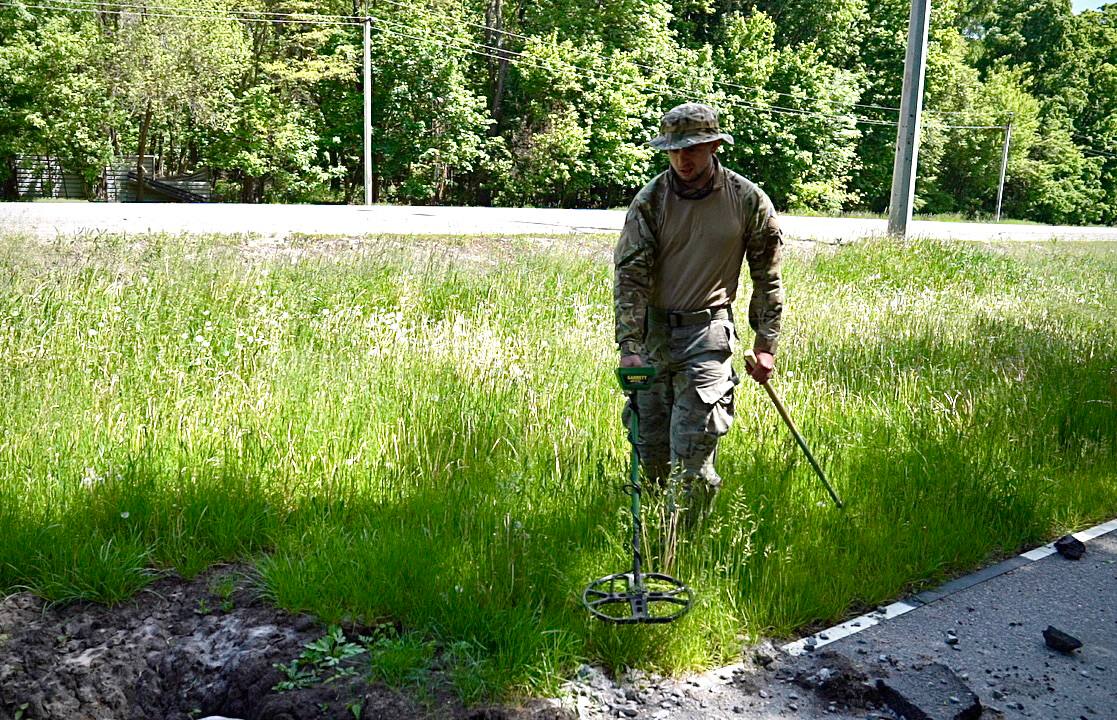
pixel 175 16
pixel 515 57
pixel 971 127
pixel 108 5
pixel 663 90
pixel 356 20
pixel 1098 153
pixel 1093 142
pixel 723 83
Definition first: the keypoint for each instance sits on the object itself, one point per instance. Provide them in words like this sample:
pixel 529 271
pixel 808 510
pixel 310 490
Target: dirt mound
pixel 184 650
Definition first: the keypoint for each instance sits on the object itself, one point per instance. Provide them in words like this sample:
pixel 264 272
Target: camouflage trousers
pixel 687 409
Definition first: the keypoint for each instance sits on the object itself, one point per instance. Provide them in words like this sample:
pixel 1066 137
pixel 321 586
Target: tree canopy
pixel 551 102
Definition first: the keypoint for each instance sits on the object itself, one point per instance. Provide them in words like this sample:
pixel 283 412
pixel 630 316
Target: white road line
pixel 857 624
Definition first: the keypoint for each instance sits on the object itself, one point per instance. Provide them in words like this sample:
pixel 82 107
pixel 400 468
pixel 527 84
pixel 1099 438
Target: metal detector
pixel 636 597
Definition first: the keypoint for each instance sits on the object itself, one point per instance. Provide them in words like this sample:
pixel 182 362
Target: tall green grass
pixel 409 434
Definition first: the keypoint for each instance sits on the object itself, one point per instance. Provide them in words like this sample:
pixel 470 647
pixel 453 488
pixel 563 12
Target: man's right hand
pixel 632 361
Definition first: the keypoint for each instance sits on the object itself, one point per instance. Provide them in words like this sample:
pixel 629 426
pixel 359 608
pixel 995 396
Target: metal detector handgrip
pixel 635 378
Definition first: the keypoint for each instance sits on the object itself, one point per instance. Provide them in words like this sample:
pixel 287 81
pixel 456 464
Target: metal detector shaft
pixel 634 489
pixel 750 360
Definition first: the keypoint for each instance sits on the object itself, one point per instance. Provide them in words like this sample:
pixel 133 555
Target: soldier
pixel 677 267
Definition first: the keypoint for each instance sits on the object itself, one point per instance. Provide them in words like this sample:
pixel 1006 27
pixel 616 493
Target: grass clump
pixel 417 437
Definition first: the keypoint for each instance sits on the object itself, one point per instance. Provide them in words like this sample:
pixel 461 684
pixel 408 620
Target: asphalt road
pixel 48 220
pixel 988 629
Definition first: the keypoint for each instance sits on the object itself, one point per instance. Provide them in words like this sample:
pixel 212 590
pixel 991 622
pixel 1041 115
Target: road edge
pixel 902 607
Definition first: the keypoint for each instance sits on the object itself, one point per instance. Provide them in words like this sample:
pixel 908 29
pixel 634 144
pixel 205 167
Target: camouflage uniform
pixel 689 342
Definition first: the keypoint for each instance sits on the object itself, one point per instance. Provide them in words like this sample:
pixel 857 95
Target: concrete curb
pixel 857 624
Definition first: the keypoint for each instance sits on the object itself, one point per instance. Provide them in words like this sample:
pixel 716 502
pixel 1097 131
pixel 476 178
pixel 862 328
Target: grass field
pixel 428 434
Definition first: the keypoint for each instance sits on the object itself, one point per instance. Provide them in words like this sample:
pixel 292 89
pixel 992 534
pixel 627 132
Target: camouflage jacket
pixel 635 260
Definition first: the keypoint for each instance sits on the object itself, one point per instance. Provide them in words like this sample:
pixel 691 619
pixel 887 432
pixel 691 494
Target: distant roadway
pixel 50 219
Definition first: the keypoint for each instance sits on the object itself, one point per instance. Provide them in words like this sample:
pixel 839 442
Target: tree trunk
pixel 377 159
pixel 10 189
pixel 498 70
pixel 144 127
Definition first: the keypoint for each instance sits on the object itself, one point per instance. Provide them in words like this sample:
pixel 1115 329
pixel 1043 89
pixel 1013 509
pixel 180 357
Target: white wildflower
pixel 90 478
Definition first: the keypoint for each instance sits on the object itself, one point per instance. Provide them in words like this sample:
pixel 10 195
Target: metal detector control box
pixel 635 378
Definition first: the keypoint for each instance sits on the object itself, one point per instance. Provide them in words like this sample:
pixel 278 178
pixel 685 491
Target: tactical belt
pixel 681 318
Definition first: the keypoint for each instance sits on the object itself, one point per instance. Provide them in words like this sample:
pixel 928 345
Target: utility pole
pixel 907 134
pixel 1004 165
pixel 368 107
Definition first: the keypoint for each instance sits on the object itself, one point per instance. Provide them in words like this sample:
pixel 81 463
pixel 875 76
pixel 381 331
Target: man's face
pixel 691 163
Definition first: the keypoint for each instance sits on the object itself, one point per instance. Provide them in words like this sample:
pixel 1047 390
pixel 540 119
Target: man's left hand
pixel 765 364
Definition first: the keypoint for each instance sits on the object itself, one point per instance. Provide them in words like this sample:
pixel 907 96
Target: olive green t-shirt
pixel 701 248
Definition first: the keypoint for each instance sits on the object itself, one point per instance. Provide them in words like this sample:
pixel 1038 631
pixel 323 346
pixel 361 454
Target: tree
pixel 967 161
pixel 269 148
pixel 164 70
pixel 958 166
pixel 52 102
pixel 1055 182
pixel 551 102
pixel 1036 33
pixel 429 125
pixel 277 143
pixel 883 45
pixel 579 138
pixel 1095 124
pixel 791 113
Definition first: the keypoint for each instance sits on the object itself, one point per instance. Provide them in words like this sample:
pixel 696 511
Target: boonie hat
pixel 689 124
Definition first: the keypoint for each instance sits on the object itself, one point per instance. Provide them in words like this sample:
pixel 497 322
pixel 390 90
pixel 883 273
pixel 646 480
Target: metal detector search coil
pixel 636 597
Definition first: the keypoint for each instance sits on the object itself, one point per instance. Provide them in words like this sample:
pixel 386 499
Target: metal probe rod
pixel 750 361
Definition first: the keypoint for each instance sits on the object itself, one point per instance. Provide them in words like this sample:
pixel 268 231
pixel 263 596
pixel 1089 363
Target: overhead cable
pixel 514 57
pixel 173 15
pixel 520 58
pixel 169 11
pixel 723 83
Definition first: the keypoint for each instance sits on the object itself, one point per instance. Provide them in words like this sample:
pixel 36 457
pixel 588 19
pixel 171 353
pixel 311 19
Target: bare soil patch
pixel 180 650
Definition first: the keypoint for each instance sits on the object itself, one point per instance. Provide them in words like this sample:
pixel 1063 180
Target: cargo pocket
pixel 720 416
pixel 713 375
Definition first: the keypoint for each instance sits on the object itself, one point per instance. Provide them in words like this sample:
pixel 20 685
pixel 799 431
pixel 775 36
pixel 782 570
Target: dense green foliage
pixel 388 436
pixel 549 102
